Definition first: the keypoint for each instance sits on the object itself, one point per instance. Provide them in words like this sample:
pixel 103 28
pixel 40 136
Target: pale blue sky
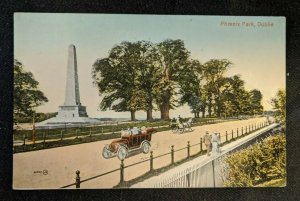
pixel 42 40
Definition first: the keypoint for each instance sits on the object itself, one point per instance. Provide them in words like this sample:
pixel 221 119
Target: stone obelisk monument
pixel 72 112
pixel 72 106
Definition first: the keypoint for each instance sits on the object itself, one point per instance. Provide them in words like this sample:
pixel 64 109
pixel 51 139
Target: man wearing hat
pixel 207 142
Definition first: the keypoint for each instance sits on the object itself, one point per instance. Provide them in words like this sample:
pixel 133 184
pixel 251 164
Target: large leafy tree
pixel 255 102
pixel 173 62
pixel 27 96
pixel 213 72
pixel 148 75
pixel 127 77
pixel 190 87
pixel 238 96
pixel 279 104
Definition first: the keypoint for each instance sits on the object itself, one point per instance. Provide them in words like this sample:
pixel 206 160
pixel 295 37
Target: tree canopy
pixel 162 76
pixel 27 96
pixel 279 104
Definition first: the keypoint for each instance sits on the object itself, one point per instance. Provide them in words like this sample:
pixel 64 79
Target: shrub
pixel 261 162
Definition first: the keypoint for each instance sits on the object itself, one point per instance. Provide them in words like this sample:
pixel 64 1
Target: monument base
pixel 71 111
pixel 58 122
pixel 68 116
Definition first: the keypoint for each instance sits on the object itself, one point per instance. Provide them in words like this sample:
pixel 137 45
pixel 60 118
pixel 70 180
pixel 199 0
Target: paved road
pixel 53 168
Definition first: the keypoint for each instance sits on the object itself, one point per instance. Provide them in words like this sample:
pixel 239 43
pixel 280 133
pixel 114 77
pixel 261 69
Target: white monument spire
pixel 72 112
pixel 72 96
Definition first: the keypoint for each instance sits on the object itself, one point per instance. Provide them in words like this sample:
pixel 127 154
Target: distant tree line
pixel 145 76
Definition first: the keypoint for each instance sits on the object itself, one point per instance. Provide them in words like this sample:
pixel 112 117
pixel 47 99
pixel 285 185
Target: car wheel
pixel 106 153
pixel 122 152
pixel 145 147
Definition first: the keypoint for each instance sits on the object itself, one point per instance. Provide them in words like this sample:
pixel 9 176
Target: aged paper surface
pixel 125 101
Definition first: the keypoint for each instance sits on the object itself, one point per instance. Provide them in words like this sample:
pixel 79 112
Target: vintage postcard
pixel 148 101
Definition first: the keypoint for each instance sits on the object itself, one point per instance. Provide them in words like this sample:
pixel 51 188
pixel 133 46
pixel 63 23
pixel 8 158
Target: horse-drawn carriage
pixel 179 127
pixel 131 140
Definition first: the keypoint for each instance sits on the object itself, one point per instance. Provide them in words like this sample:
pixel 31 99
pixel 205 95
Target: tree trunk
pixel 149 115
pixel 164 111
pixel 219 110
pixel 132 115
pixel 209 108
pixel 195 114
pixel 203 112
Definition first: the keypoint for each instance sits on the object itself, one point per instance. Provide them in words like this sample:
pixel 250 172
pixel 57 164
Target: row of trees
pixel 146 76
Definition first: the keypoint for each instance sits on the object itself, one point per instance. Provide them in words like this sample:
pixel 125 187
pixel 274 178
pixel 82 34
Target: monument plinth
pixel 72 112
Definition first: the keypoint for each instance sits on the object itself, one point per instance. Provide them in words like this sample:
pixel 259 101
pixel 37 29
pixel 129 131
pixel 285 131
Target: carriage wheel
pixel 122 153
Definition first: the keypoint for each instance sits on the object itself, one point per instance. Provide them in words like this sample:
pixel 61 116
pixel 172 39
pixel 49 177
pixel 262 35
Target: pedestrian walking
pixel 215 143
pixel 207 142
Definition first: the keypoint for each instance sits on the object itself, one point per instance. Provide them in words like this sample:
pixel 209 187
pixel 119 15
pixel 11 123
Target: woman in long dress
pixel 215 143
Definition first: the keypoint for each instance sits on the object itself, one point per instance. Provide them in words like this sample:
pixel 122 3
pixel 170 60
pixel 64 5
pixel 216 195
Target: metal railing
pixel 194 176
pixel 122 183
pixel 45 136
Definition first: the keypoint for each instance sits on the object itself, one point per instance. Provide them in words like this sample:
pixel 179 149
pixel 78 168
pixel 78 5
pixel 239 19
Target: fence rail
pixel 234 135
pixel 194 176
pixel 43 137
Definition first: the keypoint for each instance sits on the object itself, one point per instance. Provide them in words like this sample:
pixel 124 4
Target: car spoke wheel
pixel 122 152
pixel 146 147
pixel 106 153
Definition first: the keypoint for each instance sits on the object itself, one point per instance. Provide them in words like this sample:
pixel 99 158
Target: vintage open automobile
pixel 130 141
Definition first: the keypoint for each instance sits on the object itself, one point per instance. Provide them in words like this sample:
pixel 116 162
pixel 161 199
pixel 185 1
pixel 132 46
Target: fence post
pixel 232 134
pixel 246 129
pixel 249 129
pixel 76 133
pixel 226 136
pixel 213 171
pixel 219 135
pixel 237 132
pixel 151 161
pixel 77 179
pixel 242 131
pixel 188 179
pixel 255 126
pixel 61 135
pixel 44 139
pixel 122 172
pixel 201 148
pixel 24 143
pixel 172 154
pixel 252 127
pixel 90 131
pixel 188 149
